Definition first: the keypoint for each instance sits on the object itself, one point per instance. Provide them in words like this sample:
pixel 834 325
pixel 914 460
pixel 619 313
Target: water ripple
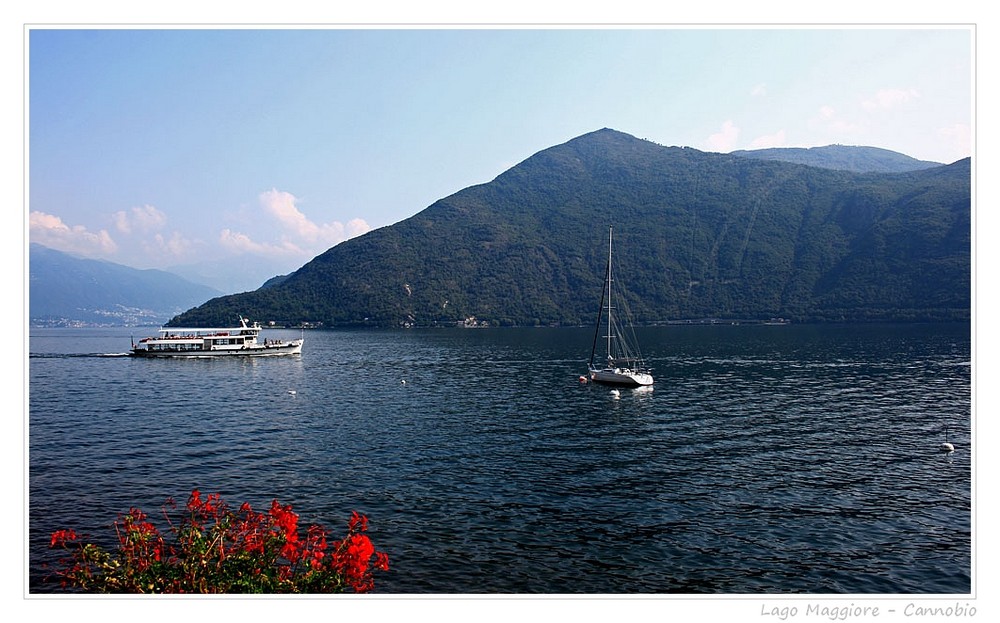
pixel 802 460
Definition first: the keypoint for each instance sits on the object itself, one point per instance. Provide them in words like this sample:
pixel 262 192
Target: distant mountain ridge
pixel 67 291
pixel 698 235
pixel 843 158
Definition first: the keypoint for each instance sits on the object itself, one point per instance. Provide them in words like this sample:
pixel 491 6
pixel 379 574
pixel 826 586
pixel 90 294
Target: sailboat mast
pixel 610 301
pixel 600 311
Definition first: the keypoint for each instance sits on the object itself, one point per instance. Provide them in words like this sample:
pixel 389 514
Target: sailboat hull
pixel 621 376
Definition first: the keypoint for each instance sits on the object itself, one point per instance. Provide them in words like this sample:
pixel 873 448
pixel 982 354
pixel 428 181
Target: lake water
pixel 767 459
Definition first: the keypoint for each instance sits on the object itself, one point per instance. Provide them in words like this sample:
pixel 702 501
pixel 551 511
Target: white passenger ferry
pixel 237 341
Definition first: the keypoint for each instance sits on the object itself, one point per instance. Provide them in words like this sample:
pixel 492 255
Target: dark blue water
pixel 796 459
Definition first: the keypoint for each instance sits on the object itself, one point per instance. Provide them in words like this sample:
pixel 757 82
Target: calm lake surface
pixel 767 459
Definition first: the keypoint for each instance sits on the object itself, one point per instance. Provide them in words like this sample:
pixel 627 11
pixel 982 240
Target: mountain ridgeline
pixel 697 235
pixel 71 291
pixel 843 157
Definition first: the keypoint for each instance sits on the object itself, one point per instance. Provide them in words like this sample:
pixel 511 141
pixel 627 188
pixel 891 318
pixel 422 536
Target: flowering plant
pixel 216 550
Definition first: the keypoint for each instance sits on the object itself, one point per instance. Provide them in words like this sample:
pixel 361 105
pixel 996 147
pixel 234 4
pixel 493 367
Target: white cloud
pixel 959 139
pixel 142 227
pixel 282 206
pixel 242 244
pixel 725 139
pixel 175 246
pixel 356 227
pixel 49 230
pixel 135 247
pixel 769 140
pixel 142 219
pixel 302 238
pixel 834 126
pixel 886 99
pixel 143 239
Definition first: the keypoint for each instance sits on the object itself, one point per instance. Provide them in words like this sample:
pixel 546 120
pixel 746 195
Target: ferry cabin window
pixel 232 341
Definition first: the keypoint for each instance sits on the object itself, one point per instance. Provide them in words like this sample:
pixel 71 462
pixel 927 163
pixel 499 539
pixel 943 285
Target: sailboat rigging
pixel 624 364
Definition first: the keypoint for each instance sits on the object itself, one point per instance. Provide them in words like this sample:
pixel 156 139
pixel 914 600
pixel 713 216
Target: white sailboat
pixel 623 364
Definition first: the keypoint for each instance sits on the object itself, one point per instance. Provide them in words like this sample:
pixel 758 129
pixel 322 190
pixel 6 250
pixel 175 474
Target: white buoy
pixel 403 382
pixel 615 394
pixel 947 446
pixel 292 392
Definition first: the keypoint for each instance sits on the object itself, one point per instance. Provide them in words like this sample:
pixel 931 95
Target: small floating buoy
pixel 615 394
pixel 583 379
pixel 946 446
pixel 292 392
pixel 402 382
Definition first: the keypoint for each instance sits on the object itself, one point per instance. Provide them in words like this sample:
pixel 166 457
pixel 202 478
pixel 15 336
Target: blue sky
pixel 258 149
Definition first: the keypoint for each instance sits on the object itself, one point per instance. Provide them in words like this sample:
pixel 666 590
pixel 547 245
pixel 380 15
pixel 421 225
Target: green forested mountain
pixel 696 235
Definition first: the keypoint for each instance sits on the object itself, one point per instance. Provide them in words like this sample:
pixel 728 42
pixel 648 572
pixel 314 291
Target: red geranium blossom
pixel 214 550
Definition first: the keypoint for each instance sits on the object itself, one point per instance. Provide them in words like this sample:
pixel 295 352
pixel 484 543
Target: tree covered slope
pixel 697 235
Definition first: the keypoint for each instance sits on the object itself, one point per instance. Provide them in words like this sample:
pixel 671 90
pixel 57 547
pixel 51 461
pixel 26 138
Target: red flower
pixel 290 552
pixel 287 523
pixel 60 537
pixel 357 521
pixel 361 548
pixel 214 549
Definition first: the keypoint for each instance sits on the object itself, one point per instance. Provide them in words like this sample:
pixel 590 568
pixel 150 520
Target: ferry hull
pixel 290 348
